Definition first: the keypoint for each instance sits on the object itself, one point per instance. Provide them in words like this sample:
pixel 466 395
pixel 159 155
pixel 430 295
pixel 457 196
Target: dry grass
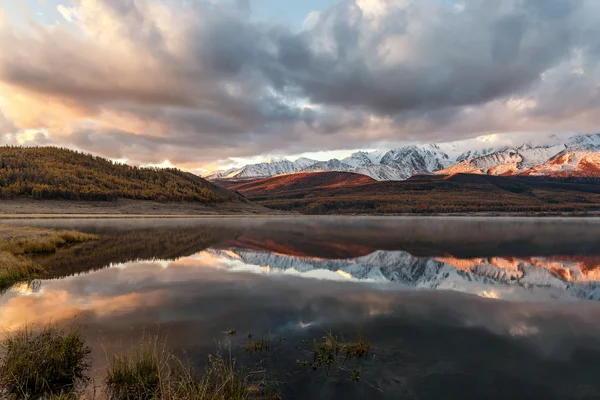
pixel 15 268
pixel 153 372
pixel 17 242
pixel 24 240
pixel 49 362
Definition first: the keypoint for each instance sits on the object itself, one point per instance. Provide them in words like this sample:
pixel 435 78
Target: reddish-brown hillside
pixel 300 181
pixel 319 194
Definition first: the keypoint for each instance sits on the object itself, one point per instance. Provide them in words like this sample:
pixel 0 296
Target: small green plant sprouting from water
pixel 337 348
pixel 355 375
pixel 259 345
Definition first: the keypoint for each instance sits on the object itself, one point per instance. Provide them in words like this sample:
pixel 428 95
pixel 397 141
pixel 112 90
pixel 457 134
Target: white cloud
pixel 68 13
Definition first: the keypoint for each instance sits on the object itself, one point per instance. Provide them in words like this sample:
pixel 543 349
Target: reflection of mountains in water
pixel 573 276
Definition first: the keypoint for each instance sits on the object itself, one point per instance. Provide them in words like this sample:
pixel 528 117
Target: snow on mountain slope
pixel 331 165
pixel 569 164
pixel 509 161
pixel 584 142
pixel 470 154
pixel 535 155
pixel 376 156
pixel 383 172
pixel 264 169
pixel 446 158
pixel 304 162
pixel 417 159
pixel 359 159
pixel 489 277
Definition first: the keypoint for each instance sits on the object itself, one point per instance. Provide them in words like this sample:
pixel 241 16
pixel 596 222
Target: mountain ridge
pixel 403 162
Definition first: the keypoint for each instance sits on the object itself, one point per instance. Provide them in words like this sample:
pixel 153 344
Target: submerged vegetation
pixel 153 372
pixel 55 173
pixel 17 244
pixel 262 344
pixel 55 363
pixel 334 350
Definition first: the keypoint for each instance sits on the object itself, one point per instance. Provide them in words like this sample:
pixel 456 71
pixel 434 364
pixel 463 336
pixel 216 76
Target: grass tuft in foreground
pixel 153 372
pixel 49 362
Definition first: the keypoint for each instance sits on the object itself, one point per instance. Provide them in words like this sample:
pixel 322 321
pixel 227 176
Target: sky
pixel 205 84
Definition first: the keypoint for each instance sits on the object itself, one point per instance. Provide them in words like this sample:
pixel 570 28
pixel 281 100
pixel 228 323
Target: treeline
pixel 57 173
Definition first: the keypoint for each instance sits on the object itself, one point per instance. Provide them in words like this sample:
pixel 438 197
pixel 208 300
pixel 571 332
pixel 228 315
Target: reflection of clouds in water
pixel 187 293
pixel 523 329
pixel 356 285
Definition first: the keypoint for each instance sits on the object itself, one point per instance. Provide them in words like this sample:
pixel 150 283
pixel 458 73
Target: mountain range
pixel 578 156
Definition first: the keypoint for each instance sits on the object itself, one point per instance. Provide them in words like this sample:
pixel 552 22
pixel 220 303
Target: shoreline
pixel 26 216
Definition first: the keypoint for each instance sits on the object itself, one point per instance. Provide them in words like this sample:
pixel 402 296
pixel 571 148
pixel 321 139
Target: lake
pixel 453 307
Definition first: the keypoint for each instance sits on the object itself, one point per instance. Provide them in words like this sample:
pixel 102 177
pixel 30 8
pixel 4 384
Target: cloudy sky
pixel 200 84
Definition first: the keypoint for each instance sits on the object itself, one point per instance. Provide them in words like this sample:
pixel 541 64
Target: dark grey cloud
pixel 213 83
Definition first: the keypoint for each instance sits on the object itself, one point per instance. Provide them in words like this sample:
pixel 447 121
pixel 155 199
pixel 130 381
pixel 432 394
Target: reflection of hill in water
pixel 130 245
pixel 460 237
pixel 429 252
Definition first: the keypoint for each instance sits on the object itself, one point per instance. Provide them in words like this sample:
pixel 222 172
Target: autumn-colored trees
pixel 56 173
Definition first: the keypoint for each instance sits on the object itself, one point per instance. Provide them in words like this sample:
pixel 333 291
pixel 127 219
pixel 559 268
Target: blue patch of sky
pixel 289 13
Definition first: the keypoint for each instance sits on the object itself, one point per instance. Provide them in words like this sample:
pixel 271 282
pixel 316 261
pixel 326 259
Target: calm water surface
pixel 454 307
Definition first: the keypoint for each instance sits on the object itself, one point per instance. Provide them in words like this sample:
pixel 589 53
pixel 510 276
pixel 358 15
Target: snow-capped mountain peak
pixel 304 162
pixel 331 165
pixel 584 142
pixel 446 158
pixel 415 159
pixel 359 159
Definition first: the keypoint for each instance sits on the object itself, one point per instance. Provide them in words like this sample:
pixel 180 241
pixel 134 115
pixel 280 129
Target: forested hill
pixel 56 173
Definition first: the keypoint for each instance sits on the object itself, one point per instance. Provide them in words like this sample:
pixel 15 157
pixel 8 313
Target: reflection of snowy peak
pixel 477 276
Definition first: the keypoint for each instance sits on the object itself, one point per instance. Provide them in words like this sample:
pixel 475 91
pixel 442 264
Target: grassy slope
pixel 431 194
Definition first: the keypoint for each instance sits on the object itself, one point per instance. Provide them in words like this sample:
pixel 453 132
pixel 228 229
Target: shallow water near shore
pixel 454 307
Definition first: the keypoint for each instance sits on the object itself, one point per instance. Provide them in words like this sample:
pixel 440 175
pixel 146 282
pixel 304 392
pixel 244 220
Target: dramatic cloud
pixel 198 81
